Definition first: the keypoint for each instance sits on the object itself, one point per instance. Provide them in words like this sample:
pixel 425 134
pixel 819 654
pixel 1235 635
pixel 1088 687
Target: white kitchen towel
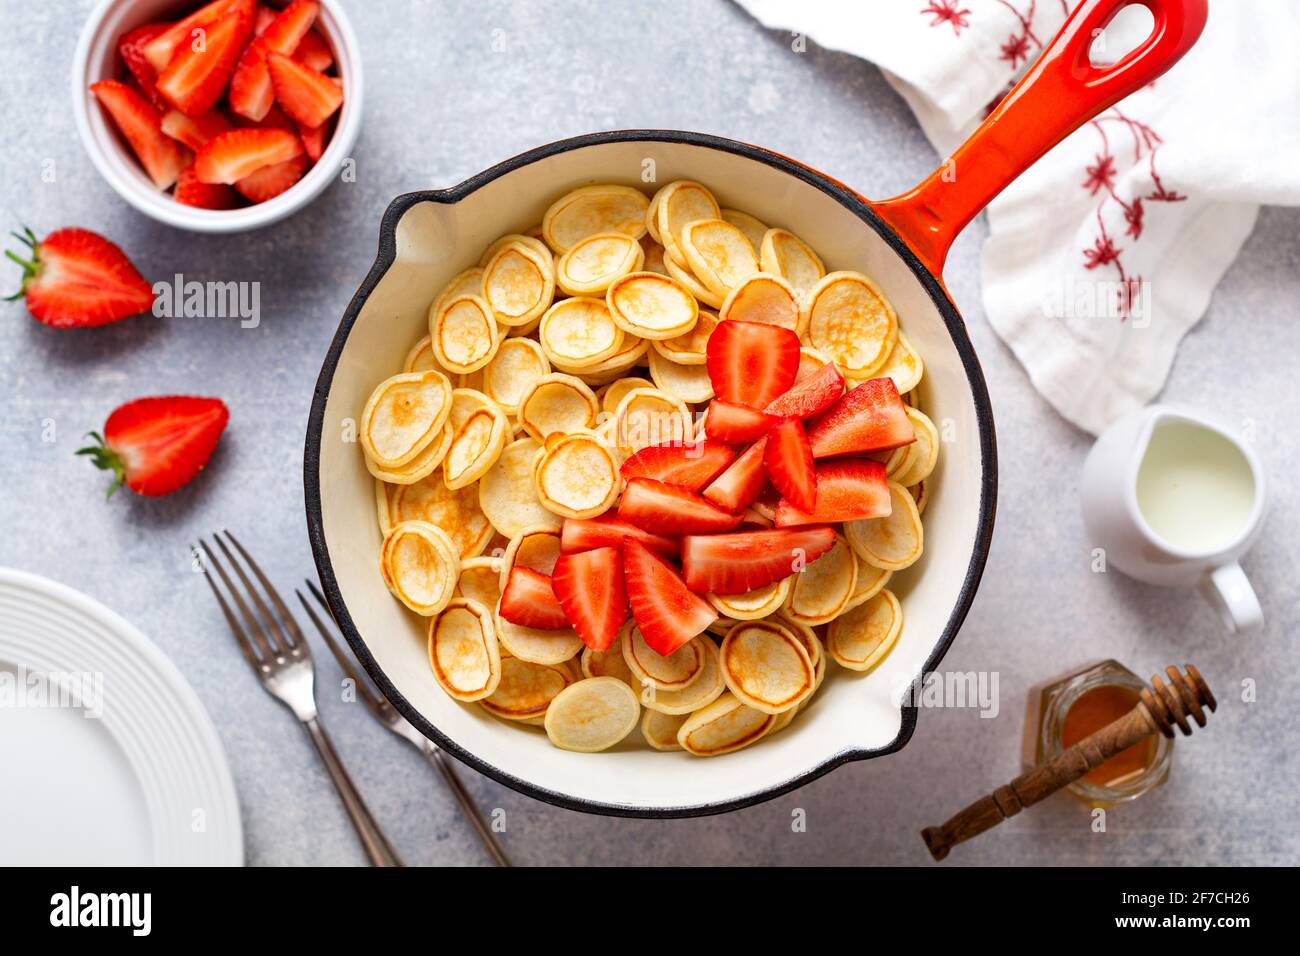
pixel 1106 252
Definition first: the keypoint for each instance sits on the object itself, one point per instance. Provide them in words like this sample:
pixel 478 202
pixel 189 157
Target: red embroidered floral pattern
pixel 947 11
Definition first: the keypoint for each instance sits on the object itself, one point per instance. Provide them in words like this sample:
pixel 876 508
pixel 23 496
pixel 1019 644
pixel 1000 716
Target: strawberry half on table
pixel 74 278
pixel 155 446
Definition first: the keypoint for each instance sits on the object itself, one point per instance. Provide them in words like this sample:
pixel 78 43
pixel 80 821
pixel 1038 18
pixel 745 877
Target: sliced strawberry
pixel 847 490
pixel 160 155
pixel 585 534
pixel 76 278
pixel 667 509
pixel 157 445
pixel 131 48
pixel 269 181
pixel 740 485
pixel 191 192
pixel 197 76
pixel 316 138
pixel 789 464
pixel 314 52
pixel 736 424
pixel 274 119
pixel 751 363
pixel 813 396
pixel 251 93
pixel 308 96
pixel 263 19
pixel 194 131
pixel 739 562
pixel 529 601
pixel 871 417
pixel 666 612
pixel 239 153
pixel 590 588
pixel 690 465
pixel 160 50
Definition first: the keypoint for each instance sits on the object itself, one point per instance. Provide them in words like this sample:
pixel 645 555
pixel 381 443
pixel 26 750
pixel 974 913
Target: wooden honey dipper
pixel 1159 709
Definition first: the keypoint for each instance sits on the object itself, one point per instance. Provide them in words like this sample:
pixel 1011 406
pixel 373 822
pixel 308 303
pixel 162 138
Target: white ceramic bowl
pixel 96 59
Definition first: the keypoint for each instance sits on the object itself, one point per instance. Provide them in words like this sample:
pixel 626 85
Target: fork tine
pixel 272 624
pixel 245 644
pixel 290 624
pixel 367 696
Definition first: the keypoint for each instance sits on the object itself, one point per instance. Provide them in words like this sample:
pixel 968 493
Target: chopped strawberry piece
pixel 191 192
pixel 739 562
pixel 590 588
pixel 131 48
pixel 736 424
pixel 160 155
pixel 194 131
pixel 811 397
pixel 162 48
pixel 529 601
pixel 197 76
pixel 274 119
pixel 667 509
pixel 269 181
pixel 308 96
pixel 156 445
pixel 316 138
pixel 751 363
pixel 740 485
pixel 871 417
pixel 76 278
pixel 585 534
pixel 690 465
pixel 847 489
pixel 789 464
pixel 251 92
pixel 314 52
pixel 263 19
pixel 239 153
pixel 666 612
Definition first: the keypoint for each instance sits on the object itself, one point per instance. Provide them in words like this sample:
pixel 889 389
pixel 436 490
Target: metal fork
pixel 387 714
pixel 279 654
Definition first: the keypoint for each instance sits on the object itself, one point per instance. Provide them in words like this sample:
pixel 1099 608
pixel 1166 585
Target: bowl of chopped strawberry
pixel 221 116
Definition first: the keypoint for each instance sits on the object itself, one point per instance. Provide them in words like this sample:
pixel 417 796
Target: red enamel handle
pixel 1062 91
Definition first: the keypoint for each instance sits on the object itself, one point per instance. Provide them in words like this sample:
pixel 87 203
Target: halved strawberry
pixel 308 96
pixel 160 50
pixel 314 51
pixel 239 153
pixel 197 76
pixel 590 588
pixel 316 138
pixel 690 465
pixel 251 93
pixel 156 445
pixel 269 181
pixel 585 534
pixel 667 509
pixel 751 363
pixel 76 278
pixel 194 131
pixel 847 489
pixel 736 424
pixel 191 192
pixel 789 464
pixel 740 485
pixel 871 417
pixel 666 612
pixel 739 562
pixel 160 155
pixel 131 48
pixel 812 397
pixel 529 601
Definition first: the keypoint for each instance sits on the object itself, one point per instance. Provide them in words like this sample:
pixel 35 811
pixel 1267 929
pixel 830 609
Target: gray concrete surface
pixel 456 86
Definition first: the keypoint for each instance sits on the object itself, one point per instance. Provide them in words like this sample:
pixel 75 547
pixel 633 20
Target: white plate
pixel 144 782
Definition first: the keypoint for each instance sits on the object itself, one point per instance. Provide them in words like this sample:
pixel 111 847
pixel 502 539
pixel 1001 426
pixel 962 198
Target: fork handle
pixel 490 843
pixel 376 845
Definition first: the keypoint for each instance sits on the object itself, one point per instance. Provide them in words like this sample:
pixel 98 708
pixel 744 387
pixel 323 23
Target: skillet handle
pixel 1061 92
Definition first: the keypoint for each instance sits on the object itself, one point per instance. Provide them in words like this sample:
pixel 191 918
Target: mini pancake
pixel 823 589
pixel 403 416
pixel 536 548
pixel 577 477
pixel 904 366
pixel 381 507
pixel 533 242
pixel 768 299
pixel 784 254
pixel 517 365
pixel 578 333
pixel 766 667
pixel 469 282
pixel 463 650
pixel 860 638
pixel 683 276
pixel 851 321
pixel 690 383
pixel 677 671
pixel 420 566
pixel 783 720
pixel 724 726
pixel 593 210
pixel 701 692
pixel 752 605
pixel 719 254
pixel 921 495
pixel 811 361
pixel 681 203
pixel 464 335
pixel 536 645
pixel 465 402
pixel 518 284
pixel 455 511
pixel 652 306
pixel 654 257
pixel 660 730
pixel 652 217
pixel 721 626
pixel 631 354
pixel 420 358
pixel 753 230
pixel 615 391
pixel 591 265
pixel 526 689
pixel 419 468
pixel 689 348
pixel 476 446
pixel 650 416
pixel 900 459
pixel 608 663
pixel 926 454
pixel 506 495
pixel 592 715
pixel 806 636
pixel 870 582
pixel 480 580
pixel 557 403
pixel 893 542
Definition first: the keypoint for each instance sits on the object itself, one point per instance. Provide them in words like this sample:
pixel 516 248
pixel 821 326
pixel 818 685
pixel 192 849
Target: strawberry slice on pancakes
pixel 739 562
pixel 589 586
pixel 529 600
pixel 667 509
pixel 751 363
pixel 666 612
